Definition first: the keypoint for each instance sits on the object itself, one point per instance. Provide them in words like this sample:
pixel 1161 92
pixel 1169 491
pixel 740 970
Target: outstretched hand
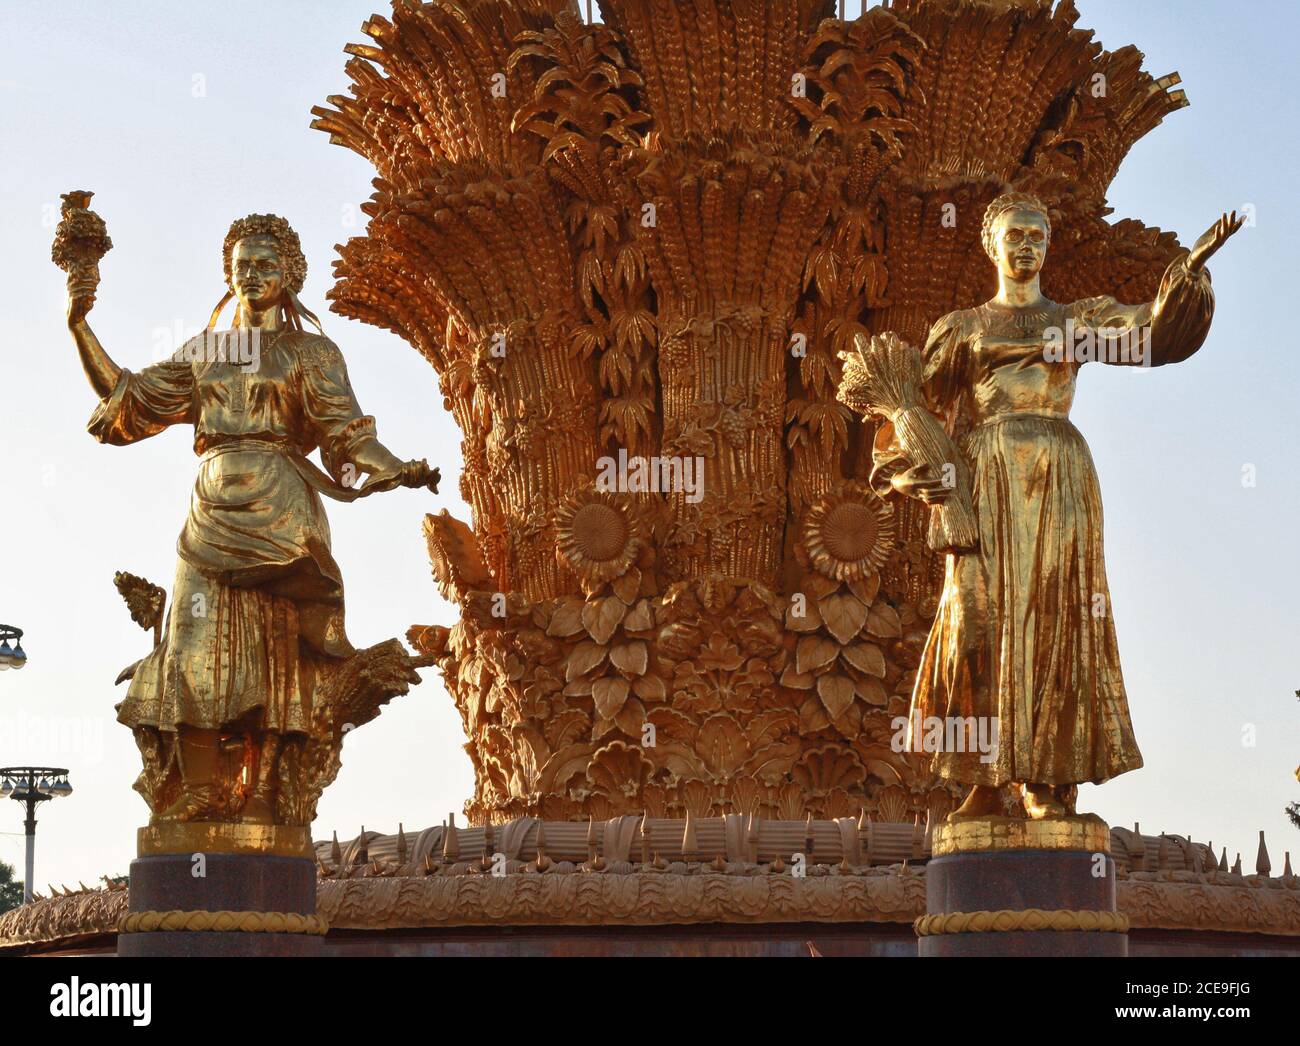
pixel 1213 238
pixel 413 474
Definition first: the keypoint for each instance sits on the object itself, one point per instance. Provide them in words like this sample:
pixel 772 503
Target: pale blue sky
pixel 103 96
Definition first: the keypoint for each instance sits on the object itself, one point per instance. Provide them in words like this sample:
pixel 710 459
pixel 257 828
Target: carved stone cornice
pixel 680 894
pixel 638 898
pixel 1186 901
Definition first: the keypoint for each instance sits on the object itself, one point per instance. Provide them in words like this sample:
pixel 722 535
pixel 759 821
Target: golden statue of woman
pixel 1023 633
pixel 256 618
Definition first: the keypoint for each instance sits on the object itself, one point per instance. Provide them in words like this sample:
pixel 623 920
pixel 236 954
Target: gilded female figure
pixel 1023 631
pixel 257 603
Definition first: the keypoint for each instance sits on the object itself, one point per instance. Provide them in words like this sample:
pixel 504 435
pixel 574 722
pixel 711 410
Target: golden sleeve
pixel 143 404
pixel 1167 330
pixel 330 409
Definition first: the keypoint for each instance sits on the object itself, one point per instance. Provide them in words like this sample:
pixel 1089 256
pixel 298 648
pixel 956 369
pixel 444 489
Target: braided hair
pixel 1011 201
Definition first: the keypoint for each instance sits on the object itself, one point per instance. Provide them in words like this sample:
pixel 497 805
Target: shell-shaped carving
pixel 892 806
pixel 747 795
pixel 830 767
pixel 697 797
pixel 619 768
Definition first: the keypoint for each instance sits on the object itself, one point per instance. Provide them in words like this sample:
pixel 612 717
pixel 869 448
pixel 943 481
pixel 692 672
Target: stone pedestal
pixel 205 903
pixel 1022 901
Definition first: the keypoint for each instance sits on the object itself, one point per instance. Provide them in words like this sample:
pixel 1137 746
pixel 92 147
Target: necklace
pixel 1028 323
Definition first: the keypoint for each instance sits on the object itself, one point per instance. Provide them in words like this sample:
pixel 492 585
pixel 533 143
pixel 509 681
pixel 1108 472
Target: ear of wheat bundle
pixel 882 376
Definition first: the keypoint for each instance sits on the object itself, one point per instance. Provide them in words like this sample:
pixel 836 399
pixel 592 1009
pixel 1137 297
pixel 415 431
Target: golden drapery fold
pixel 258 598
pixel 1023 633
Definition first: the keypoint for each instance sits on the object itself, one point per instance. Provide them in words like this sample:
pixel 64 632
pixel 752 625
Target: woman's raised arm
pixel 1173 326
pixel 98 365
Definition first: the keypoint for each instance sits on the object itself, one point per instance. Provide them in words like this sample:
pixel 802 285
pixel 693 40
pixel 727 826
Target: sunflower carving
pixel 848 533
pixel 598 536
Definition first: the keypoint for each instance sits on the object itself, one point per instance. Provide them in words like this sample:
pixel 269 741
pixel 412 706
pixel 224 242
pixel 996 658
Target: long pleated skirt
pixel 256 610
pixel 1024 631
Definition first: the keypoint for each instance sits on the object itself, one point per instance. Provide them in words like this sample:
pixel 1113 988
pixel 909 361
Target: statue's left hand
pixel 1212 239
pixel 401 474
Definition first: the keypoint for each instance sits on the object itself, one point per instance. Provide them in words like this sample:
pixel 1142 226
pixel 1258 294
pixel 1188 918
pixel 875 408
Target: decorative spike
pixel 645 837
pixel 401 844
pixel 1236 865
pixel 591 838
pixel 1162 855
pixel 809 842
pixel 1286 866
pixel 363 848
pixel 1223 861
pixel 336 852
pixel 1138 855
pixel 451 840
pixel 751 837
pixel 1262 864
pixel 689 845
pixel 778 865
pixel 918 837
pixel 542 862
pixel 719 863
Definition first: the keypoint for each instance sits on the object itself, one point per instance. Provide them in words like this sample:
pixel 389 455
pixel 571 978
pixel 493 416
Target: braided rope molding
pixel 1006 920
pixel 222 922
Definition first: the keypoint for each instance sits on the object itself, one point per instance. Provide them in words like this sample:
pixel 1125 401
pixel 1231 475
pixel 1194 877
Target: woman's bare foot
pixel 982 801
pixel 1041 802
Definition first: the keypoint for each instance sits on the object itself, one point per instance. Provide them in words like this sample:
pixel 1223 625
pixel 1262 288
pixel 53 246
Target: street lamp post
pixel 31 785
pixel 11 656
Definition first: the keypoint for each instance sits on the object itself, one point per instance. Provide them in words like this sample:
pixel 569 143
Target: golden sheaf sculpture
pixel 240 709
pixel 651 238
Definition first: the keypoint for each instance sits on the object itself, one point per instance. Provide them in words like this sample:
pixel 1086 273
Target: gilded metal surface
pixel 239 711
pixel 222 922
pixel 1009 920
pixel 189 837
pixel 634 240
pixel 1080 832
pixel 1024 635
